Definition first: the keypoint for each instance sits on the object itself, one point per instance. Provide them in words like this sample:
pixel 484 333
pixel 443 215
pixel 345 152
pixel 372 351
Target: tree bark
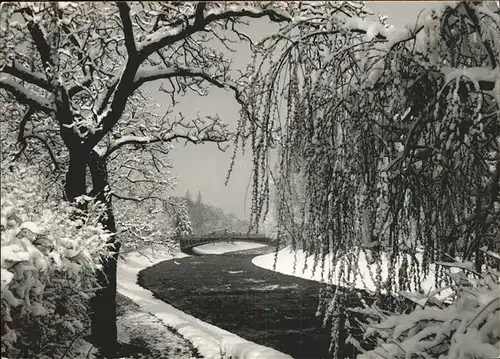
pixel 103 305
pixel 75 177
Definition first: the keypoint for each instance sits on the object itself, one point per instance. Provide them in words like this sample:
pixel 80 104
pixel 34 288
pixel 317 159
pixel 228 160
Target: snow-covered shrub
pixel 49 252
pixel 465 325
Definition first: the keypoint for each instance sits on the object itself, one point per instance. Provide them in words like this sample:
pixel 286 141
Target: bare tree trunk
pixel 75 177
pixel 103 305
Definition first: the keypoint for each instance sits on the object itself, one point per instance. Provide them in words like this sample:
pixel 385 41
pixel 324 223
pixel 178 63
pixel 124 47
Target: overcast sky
pixel 203 167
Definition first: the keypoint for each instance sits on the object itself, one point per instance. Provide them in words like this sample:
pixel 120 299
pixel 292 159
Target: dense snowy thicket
pixel 49 255
pixel 466 328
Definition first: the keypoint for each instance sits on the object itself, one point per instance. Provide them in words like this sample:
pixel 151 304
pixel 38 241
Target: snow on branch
pixel 24 74
pixel 467 326
pixel 474 15
pixel 44 142
pixel 39 38
pixel 50 253
pixel 148 75
pixel 275 14
pixel 166 137
pixel 127 28
pixel 25 96
pixel 166 36
pixel 476 74
pixel 136 199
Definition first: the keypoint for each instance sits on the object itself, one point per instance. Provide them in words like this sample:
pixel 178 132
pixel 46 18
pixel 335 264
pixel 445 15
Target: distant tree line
pixel 206 218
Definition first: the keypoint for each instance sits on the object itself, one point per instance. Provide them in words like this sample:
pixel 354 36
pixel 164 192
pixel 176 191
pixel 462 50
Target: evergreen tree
pixel 188 197
pixel 183 223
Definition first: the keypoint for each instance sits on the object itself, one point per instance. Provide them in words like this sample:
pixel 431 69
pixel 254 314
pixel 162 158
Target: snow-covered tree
pixel 187 196
pixel 393 136
pixel 140 183
pixel 72 74
pixel 205 218
pixel 49 255
pixel 183 224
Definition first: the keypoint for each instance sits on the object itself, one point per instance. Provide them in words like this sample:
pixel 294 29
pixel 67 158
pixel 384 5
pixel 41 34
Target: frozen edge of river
pixel 226 247
pixel 212 342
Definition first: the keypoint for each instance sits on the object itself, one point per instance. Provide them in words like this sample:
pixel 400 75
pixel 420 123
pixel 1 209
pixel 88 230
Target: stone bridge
pixel 189 242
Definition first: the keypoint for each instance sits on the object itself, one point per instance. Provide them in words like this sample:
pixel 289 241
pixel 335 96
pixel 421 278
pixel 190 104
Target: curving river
pixel 228 291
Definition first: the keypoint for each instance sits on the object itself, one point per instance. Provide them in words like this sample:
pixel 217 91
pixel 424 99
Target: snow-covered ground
pixel 225 247
pixel 298 264
pixel 137 327
pixel 211 341
pixel 142 335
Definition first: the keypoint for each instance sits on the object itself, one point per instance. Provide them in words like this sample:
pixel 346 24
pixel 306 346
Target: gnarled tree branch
pixel 45 144
pixel 182 31
pixel 25 96
pixel 169 137
pixel 23 74
pixel 127 29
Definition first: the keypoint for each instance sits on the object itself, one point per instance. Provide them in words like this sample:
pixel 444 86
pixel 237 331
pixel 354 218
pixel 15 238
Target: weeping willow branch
pixel 381 148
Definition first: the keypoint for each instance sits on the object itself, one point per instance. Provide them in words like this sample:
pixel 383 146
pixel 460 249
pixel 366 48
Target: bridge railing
pixel 194 241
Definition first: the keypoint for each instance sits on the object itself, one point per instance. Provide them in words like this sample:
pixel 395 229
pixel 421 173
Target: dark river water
pixel 263 306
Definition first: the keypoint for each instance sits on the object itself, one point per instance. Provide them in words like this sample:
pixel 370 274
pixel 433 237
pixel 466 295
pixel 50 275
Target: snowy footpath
pixel 211 342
